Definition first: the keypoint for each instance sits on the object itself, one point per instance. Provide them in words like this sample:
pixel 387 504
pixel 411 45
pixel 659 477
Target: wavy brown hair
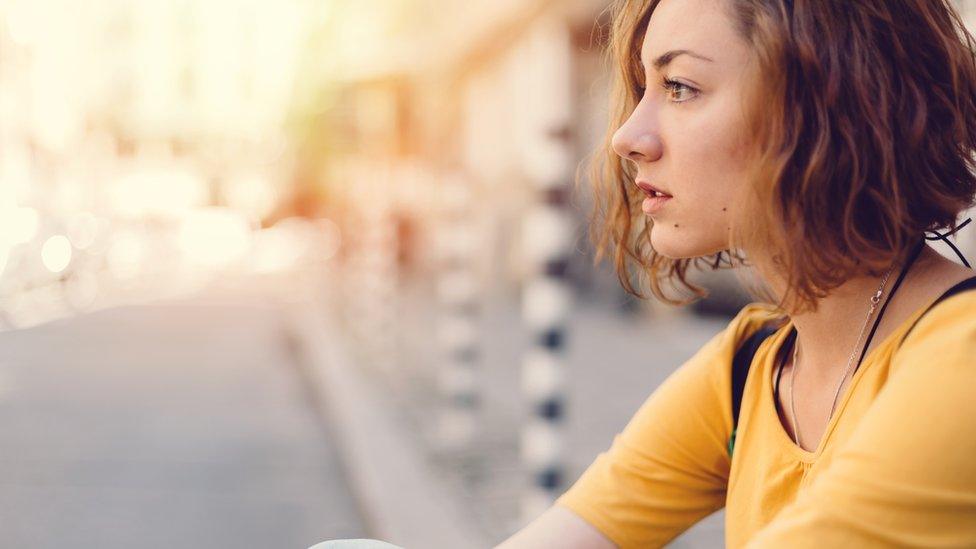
pixel 866 140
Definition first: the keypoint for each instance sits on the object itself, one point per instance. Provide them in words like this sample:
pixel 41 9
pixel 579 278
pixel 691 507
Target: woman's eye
pixel 679 92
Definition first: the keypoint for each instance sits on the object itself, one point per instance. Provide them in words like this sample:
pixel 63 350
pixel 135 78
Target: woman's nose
pixel 635 140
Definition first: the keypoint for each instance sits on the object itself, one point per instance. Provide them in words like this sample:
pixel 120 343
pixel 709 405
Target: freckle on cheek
pixel 725 209
pixel 675 225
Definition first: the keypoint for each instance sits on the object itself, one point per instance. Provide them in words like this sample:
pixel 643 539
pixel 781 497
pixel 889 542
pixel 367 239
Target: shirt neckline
pixel 780 338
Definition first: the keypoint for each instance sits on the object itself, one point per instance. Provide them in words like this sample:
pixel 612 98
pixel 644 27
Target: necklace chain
pixel 875 299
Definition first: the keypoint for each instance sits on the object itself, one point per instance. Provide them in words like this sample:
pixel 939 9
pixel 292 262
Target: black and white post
pixel 458 304
pixel 549 233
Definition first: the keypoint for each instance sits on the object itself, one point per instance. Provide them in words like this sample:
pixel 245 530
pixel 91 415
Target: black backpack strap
pixel 741 363
pixel 965 285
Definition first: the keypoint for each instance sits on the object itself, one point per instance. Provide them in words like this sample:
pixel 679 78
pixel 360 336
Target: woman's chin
pixel 675 244
pixel 668 242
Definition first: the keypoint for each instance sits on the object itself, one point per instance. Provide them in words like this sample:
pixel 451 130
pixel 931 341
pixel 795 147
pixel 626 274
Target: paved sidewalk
pixel 179 425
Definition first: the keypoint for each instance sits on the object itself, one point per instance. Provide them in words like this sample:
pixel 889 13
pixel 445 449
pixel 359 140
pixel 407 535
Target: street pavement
pixel 170 425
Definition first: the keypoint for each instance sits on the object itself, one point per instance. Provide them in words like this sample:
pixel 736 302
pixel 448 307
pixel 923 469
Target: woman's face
pixel 687 140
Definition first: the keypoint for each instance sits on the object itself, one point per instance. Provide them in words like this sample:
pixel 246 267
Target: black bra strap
pixel 942 237
pixel 901 276
pixel 962 286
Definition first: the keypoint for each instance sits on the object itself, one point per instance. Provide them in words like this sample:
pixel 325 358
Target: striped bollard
pixel 545 135
pixel 371 277
pixel 546 302
pixel 380 280
pixel 457 321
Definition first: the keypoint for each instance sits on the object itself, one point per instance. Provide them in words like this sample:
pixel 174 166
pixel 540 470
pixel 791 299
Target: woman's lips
pixel 656 198
pixel 651 190
pixel 653 204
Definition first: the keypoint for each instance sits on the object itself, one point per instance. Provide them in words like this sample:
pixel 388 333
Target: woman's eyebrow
pixel 665 58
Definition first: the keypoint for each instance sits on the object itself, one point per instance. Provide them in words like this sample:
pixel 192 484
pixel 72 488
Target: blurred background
pixel 278 272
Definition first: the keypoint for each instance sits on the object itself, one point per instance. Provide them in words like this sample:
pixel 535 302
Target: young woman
pixel 817 141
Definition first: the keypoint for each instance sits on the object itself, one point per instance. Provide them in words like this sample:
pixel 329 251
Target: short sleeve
pixel 906 477
pixel 669 466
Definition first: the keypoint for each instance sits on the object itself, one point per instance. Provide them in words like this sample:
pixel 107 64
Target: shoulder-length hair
pixel 864 133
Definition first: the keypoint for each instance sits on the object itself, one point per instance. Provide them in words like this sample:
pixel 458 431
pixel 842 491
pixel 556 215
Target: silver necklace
pixel 875 299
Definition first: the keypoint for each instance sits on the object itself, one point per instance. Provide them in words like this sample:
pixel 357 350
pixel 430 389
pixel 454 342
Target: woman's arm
pixel 558 527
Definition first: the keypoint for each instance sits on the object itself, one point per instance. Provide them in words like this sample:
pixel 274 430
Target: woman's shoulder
pixel 752 317
pixel 940 346
pixel 713 358
pixel 951 321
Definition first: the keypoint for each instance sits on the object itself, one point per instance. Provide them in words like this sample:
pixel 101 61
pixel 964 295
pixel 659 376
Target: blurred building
pixel 141 144
pixel 425 91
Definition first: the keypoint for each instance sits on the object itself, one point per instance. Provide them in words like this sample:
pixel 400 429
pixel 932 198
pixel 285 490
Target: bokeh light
pixel 56 253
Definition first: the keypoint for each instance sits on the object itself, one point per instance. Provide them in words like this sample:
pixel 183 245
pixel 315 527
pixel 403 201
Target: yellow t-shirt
pixel 896 465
